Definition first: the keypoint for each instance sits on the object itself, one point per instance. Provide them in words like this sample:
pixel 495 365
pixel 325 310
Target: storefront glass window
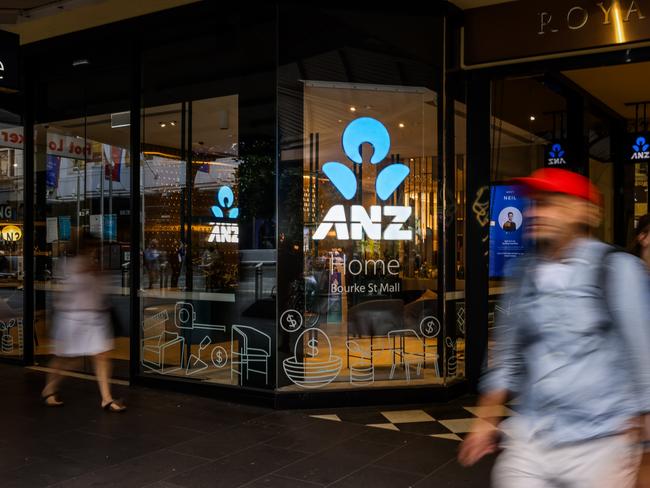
pixel 360 266
pixel 82 191
pixel 11 236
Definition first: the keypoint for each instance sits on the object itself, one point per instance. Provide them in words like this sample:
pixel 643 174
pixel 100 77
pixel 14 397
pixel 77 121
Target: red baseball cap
pixel 556 180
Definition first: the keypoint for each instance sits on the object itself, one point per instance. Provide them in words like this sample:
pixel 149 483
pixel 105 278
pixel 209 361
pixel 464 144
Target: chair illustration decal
pixel 402 355
pixel 159 350
pixel 250 352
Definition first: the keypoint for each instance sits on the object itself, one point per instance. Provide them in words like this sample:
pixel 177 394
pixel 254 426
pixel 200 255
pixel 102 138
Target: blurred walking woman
pixel 642 239
pixel 82 326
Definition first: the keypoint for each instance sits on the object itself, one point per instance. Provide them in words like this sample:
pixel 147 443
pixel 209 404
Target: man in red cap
pixel 574 348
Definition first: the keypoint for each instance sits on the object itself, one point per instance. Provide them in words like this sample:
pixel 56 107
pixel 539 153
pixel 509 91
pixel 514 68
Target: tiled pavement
pixel 449 421
pixel 169 440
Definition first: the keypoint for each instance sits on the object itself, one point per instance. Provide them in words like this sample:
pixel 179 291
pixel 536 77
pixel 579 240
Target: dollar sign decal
pixel 219 357
pixel 312 345
pixel 430 327
pixel 292 321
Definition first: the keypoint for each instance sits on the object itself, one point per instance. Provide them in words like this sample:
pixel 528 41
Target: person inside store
pixel 176 262
pixel 152 262
pixel 82 326
pixel 641 245
pixel 509 225
pixel 573 348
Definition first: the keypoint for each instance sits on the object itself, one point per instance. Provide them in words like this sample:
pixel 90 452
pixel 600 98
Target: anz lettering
pixel 577 17
pixel 361 223
pixel 366 130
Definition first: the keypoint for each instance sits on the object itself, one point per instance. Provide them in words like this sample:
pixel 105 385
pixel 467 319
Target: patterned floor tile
pixel 407 416
pixel 458 426
pixel 491 411
pixel 451 437
pixel 387 426
pixel 336 418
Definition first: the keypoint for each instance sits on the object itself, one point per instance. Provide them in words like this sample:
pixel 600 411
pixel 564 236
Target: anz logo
pixel 641 149
pixel 352 222
pixel 225 231
pixel 556 156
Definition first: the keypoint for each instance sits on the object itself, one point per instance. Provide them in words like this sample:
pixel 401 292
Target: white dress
pixel 81 319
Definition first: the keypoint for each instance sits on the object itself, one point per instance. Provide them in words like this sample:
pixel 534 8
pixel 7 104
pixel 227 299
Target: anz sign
pixel 556 156
pixel 640 148
pixel 224 211
pixel 352 222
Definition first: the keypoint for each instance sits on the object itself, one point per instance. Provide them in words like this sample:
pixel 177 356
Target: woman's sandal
pixel 51 400
pixel 114 406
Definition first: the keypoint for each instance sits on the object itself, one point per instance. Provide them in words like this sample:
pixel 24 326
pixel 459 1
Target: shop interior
pixel 597 115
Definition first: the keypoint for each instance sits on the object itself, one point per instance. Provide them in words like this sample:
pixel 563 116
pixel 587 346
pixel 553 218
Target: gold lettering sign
pixel 540 28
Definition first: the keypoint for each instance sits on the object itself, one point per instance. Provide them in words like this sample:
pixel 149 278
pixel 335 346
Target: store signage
pixel 7 212
pixel 506 227
pixel 11 233
pixel 354 222
pixel 57 144
pixel 67 146
pixel 12 137
pixel 640 148
pixel 9 47
pixel 552 27
pixel 225 231
pixel 555 156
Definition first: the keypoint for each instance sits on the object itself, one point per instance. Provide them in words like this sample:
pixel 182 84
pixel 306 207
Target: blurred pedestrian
pixel 82 326
pixel 573 346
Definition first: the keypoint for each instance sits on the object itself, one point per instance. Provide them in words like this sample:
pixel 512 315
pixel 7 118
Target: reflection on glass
pixel 11 238
pixel 191 260
pixel 82 186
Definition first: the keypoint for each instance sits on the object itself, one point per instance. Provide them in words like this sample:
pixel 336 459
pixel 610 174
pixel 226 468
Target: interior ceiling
pixel 15 11
pixel 467 4
pixel 211 134
pixel 616 85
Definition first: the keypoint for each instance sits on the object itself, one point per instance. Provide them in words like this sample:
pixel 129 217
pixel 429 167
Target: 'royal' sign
pixel 541 28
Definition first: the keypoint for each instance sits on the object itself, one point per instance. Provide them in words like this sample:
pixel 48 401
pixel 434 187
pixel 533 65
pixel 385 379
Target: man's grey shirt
pixel 579 364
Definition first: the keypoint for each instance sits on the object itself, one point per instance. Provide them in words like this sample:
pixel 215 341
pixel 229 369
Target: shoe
pixel 114 406
pixel 54 402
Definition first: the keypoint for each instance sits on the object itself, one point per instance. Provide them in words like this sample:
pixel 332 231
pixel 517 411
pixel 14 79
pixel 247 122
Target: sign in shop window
pixel 506 227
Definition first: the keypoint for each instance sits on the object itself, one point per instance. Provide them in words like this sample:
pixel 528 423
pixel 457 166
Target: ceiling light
pixel 401 125
pixel 532 118
pixel 80 62
pixel 162 124
pixel 353 109
pixel 173 123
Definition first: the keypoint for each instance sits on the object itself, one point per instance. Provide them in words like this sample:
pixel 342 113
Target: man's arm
pixel 498 383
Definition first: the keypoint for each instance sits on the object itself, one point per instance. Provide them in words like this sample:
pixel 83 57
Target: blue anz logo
pixel 641 149
pixel 365 130
pixel 225 231
pixel 226 199
pixel 556 156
